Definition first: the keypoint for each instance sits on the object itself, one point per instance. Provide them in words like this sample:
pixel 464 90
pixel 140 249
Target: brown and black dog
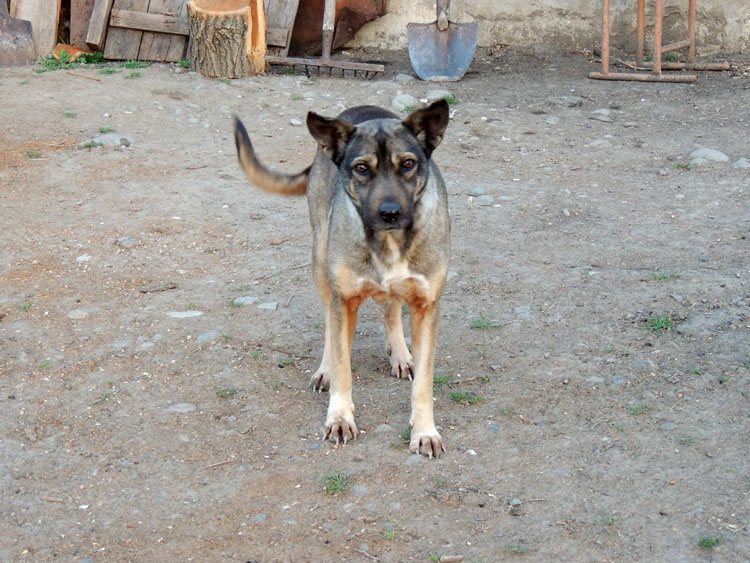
pixel 379 215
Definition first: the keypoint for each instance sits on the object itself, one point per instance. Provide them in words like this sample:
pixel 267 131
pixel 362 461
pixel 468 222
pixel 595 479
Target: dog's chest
pixel 393 278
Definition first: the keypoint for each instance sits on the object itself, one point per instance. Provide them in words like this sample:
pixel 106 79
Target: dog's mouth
pixel 399 224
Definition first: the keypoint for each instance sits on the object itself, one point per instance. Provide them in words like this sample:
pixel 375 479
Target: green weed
pixel 483 323
pixel 659 323
pixel 451 99
pixel 25 305
pixel 33 154
pixel 226 392
pixel 106 129
pixel 70 114
pixel 440 380
pixel 335 482
pixel 134 64
pixel 665 275
pixel 684 166
pixel 184 63
pixel 44 364
pixel 460 396
pixel 709 542
pixel 515 549
pixel 133 75
pixel 108 71
pixel 639 409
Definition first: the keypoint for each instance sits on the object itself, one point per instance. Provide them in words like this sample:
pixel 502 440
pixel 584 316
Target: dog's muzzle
pixel 391 215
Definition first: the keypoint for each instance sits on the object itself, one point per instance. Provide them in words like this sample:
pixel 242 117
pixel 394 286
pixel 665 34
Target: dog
pixel 379 214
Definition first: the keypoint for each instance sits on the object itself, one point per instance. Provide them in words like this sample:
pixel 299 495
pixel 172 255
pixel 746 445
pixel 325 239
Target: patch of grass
pixel 44 364
pixel 684 166
pixel 648 58
pixel 33 154
pixel 451 99
pixel 483 323
pixel 24 306
pixel 724 378
pixel 671 57
pixel 184 63
pixel 469 397
pixel 335 482
pixel 243 287
pixel 506 411
pixel 404 438
pixel 434 557
pixel 133 75
pixel 255 355
pixel 288 71
pixel 515 549
pixel 23 82
pixel 70 114
pixel 659 323
pixel 89 144
pixel 104 397
pixel 134 64
pixel 226 392
pixel 224 80
pixel 665 275
pixel 192 306
pixel 439 481
pixel 440 380
pixel 708 542
pixel 63 61
pixel 696 371
pixel 686 440
pixel 106 129
pixel 108 71
pixel 296 97
pixel 389 533
pixel 607 519
pixel 639 409
pixel 609 349
pixel 409 109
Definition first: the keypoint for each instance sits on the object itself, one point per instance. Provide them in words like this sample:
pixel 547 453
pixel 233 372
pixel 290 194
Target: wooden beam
pixel 149 22
pixel 97 32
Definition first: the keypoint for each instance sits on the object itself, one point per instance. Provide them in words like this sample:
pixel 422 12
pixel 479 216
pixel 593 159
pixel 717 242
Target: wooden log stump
pixel 227 37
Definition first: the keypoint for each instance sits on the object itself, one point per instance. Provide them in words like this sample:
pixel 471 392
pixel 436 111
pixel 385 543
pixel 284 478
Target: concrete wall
pixel 722 25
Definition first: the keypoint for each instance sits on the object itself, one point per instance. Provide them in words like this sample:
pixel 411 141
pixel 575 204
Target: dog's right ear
pixel 331 134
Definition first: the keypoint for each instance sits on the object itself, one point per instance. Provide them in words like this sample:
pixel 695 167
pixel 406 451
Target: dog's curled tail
pixel 266 179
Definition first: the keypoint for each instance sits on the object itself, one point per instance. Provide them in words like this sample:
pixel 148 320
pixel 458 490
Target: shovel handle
pixel 442 13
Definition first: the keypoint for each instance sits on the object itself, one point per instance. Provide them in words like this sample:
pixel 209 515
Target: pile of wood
pixel 221 38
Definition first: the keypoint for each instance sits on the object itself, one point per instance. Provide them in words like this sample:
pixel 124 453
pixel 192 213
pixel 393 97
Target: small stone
pixel 294 122
pixel 475 191
pixel 435 95
pixel 471 452
pixel 126 242
pixel 182 408
pixel 414 459
pixel 78 314
pixel 552 120
pixel 595 379
pixel 120 344
pixel 271 306
pixel 515 507
pixel 210 336
pixel 667 426
pixel 403 101
pixel 485 200
pixel 83 258
pixel 383 429
pixel 603 117
pixel 244 300
pixel 741 163
pixel 494 427
pixel 703 156
pixel 566 101
pixel 360 489
pixel 260 517
pixel 404 79
pixel 184 314
pixel 599 144
pixel 111 140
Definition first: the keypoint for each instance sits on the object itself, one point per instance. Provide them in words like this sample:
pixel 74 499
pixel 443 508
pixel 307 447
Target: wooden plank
pixel 43 15
pixel 144 21
pixel 97 32
pixel 277 37
pixel 280 14
pixel 124 44
pixel 80 15
pixel 162 46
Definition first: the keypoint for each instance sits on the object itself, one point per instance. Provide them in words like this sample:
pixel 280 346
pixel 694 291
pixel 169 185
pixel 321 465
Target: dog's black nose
pixel 389 211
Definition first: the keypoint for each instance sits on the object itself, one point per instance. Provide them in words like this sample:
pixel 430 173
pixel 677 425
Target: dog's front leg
pixel 425 438
pixel 342 318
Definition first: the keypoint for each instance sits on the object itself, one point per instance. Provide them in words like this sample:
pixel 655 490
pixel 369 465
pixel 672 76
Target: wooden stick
pixel 52 499
pixel 83 76
pixel 218 464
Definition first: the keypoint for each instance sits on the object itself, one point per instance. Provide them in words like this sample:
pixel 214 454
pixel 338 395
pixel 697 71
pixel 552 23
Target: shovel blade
pixel 441 56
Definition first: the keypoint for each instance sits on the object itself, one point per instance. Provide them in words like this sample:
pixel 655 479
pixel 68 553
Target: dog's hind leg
pixel 395 344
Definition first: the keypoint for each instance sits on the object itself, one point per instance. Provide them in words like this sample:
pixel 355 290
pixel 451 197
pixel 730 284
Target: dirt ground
pixel 594 348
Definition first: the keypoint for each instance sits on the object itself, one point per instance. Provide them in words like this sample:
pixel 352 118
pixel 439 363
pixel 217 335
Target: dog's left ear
pixel 428 125
pixel 331 134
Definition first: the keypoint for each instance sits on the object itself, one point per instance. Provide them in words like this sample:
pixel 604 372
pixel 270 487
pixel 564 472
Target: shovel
pixel 441 51
pixel 16 42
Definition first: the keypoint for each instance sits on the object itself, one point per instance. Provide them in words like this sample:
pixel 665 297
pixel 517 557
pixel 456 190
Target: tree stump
pixel 227 37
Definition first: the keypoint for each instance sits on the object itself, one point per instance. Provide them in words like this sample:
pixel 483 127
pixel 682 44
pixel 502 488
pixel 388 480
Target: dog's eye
pixel 362 169
pixel 408 164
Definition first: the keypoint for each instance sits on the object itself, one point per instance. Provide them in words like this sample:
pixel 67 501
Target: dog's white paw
pixel 320 380
pixel 340 429
pixel 427 443
pixel 402 365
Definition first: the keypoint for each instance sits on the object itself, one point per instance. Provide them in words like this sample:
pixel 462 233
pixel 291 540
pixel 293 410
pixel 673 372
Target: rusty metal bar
pixel 658 14
pixel 691 31
pixel 691 66
pixel 644 77
pixel 675 46
pixel 605 36
pixel 640 17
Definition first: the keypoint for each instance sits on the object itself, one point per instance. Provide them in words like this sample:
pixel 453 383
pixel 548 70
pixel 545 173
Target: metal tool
pixel 441 51
pixel 329 18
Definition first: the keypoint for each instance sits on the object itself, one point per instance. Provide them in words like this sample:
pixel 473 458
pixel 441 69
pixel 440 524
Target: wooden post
pixel 227 37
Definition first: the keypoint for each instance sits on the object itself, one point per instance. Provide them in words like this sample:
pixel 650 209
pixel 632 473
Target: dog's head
pixel 382 161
